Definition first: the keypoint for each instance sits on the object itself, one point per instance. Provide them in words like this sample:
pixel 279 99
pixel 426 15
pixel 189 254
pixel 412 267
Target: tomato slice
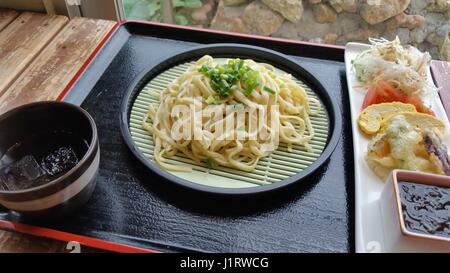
pixel 370 97
pixel 391 92
pixel 420 107
pixel 382 91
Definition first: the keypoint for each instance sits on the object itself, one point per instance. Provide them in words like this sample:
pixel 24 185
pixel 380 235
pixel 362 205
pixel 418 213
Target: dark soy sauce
pixel 40 159
pixel 425 208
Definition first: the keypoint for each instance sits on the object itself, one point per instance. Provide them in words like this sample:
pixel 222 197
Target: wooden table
pixel 39 55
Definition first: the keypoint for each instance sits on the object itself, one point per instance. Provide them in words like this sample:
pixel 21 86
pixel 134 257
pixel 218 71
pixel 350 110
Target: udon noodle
pixel 283 109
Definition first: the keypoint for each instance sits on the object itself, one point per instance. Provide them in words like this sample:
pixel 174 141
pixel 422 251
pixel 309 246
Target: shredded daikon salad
pixel 404 67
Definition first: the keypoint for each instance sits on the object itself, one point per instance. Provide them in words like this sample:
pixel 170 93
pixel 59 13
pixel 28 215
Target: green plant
pixel 192 4
pixel 151 10
pixel 128 6
pixel 182 19
pixel 143 9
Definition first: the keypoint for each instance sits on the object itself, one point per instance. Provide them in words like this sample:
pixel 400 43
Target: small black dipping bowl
pixel 49 158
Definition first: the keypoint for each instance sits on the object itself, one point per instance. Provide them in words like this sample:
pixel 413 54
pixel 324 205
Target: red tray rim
pixel 105 244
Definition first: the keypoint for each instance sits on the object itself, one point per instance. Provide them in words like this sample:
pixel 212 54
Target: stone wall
pixel 422 23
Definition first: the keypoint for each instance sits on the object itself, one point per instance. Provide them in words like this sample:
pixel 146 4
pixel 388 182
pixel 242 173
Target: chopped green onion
pixel 248 92
pixel 272 74
pixel 212 100
pixel 268 89
pixel 210 162
pixel 225 77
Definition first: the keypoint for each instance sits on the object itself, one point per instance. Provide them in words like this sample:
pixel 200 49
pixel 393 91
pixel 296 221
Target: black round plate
pixel 258 54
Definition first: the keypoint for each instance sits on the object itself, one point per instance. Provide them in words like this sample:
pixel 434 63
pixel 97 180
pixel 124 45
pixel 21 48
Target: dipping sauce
pixel 40 159
pixel 425 208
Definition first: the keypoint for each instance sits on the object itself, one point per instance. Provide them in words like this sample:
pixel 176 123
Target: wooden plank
pixel 22 40
pixel 6 17
pixel 441 75
pixel 52 70
pixel 13 242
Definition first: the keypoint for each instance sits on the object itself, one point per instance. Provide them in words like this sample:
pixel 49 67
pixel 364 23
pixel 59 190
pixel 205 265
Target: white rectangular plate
pixel 368 187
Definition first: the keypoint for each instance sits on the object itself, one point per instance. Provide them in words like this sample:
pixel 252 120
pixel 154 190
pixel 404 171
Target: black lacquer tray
pixel 132 206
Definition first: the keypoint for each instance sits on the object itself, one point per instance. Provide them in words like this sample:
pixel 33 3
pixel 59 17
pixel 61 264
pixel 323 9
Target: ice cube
pixel 61 160
pixel 21 174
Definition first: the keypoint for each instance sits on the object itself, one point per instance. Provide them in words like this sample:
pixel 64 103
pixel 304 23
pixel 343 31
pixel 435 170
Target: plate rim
pixel 227 49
